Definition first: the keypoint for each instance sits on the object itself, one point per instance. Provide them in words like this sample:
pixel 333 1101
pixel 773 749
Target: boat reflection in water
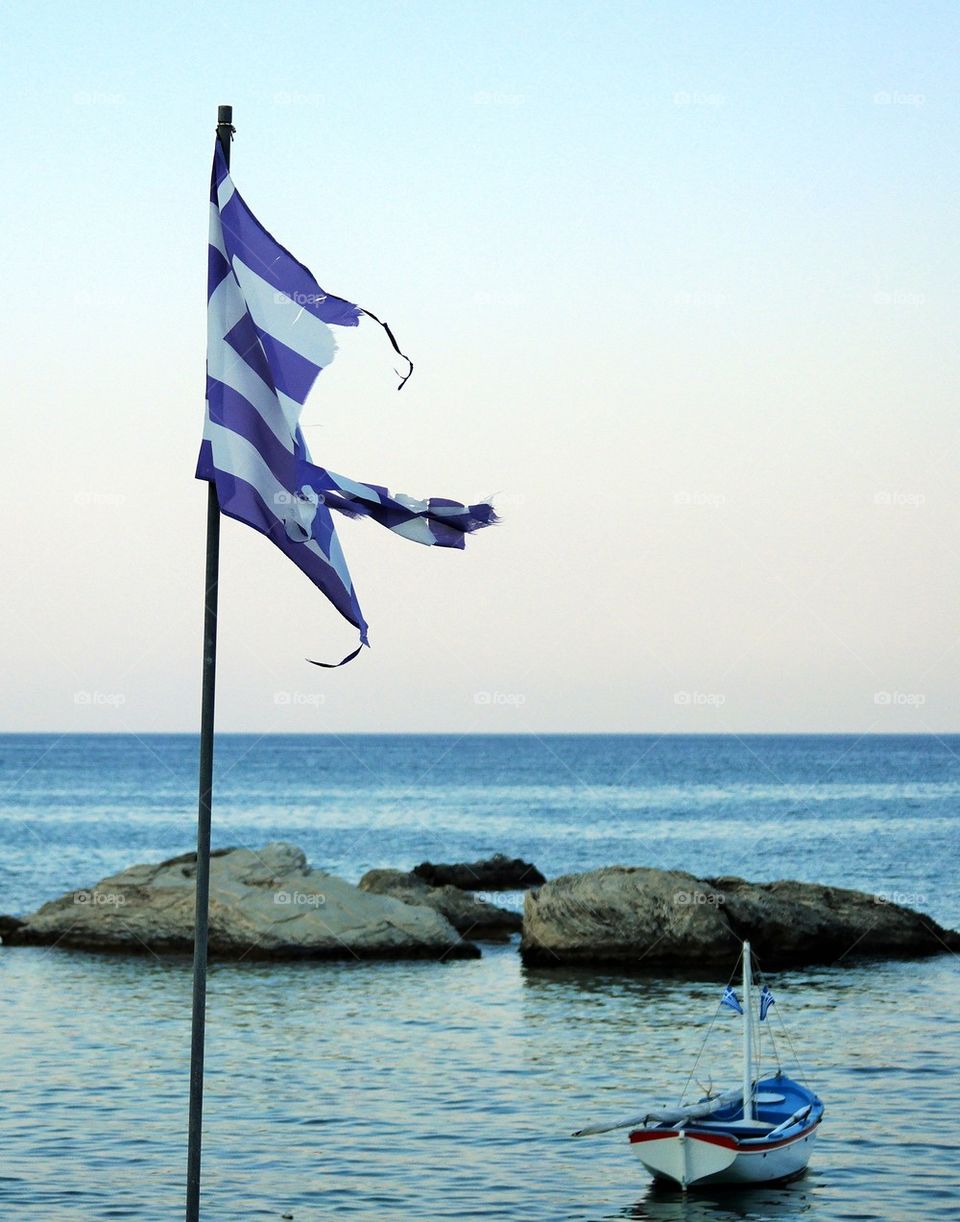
pixel 664 1202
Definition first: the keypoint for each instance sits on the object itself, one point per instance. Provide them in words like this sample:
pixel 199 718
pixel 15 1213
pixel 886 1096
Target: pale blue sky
pixel 680 282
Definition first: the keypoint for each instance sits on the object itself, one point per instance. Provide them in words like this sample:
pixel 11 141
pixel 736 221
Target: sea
pixel 434 1091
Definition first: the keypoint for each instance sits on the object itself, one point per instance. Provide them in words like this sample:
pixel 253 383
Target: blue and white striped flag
pixel 270 330
pixel 731 1000
pixel 766 1001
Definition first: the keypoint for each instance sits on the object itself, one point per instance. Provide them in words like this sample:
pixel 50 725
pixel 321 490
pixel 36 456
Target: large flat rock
pixel 471 917
pixel 645 918
pixel 264 903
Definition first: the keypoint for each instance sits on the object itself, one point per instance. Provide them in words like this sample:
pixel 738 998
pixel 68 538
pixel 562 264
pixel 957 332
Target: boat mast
pixel 747 1023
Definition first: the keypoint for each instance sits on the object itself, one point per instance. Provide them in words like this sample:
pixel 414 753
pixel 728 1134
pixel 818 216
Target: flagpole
pixel 201 918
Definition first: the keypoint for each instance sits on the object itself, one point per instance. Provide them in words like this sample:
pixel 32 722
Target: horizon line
pixel 934 734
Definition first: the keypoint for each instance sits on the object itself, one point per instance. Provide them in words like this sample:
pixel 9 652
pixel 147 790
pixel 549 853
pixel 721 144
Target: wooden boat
pixel 761 1132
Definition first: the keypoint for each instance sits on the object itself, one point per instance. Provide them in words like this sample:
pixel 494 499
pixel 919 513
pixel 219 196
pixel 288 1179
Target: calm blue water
pixel 446 1091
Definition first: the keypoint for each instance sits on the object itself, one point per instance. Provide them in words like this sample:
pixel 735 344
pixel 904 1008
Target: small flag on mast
pixel 766 1001
pixel 731 1000
pixel 270 331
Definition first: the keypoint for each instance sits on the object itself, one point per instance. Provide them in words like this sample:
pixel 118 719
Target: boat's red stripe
pixel 720 1139
pixel 713 1139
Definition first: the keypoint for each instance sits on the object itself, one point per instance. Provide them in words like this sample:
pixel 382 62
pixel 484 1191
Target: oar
pixel 608 1128
pixel 800 1114
pixel 667 1116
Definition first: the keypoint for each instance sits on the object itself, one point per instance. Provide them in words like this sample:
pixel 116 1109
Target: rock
pixel 264 904
pixel 471 917
pixel 645 918
pixel 496 873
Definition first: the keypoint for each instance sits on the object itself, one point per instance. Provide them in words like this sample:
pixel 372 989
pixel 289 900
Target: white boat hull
pixel 712 1158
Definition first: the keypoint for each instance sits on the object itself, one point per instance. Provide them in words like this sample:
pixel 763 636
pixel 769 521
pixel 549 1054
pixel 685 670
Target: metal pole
pixel 747 1034
pixel 201 919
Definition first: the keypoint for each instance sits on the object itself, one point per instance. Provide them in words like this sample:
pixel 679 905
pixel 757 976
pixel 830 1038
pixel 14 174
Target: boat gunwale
pixel 748 1145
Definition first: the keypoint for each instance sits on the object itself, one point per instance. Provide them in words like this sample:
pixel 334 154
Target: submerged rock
pixel 646 918
pixel 471 917
pixel 496 873
pixel 264 904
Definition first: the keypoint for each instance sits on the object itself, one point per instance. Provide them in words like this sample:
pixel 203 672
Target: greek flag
pixel 731 1000
pixel 270 330
pixel 766 1001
